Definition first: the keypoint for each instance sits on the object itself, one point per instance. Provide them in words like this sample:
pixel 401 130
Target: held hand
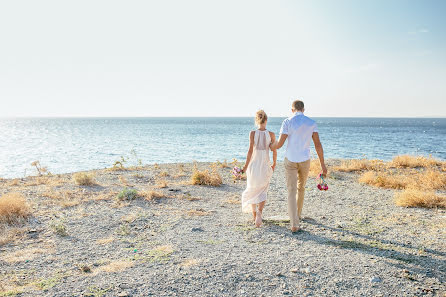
pixel 274 166
pixel 244 168
pixel 271 145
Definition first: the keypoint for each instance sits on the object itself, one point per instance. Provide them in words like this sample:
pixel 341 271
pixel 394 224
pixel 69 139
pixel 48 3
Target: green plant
pixel 127 194
pixel 135 155
pixel 59 228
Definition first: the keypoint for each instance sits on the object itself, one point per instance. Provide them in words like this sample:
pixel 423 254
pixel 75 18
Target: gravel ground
pixel 82 241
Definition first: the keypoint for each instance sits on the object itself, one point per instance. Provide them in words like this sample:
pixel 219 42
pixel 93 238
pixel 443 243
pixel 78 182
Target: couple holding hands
pixel 299 130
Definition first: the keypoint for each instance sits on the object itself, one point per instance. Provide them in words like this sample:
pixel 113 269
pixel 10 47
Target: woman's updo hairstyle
pixel 261 117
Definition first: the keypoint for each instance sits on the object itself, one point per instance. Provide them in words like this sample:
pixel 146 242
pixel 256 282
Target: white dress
pixel 259 171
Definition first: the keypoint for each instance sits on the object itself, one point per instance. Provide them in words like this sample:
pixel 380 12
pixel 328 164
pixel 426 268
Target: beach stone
pixel 375 279
pixel 197 229
pixel 294 270
pixel 123 294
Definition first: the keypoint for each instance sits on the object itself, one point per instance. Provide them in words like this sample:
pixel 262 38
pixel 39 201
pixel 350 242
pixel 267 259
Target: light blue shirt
pixel 299 129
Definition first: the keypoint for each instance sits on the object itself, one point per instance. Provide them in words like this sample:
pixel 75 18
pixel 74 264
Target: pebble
pixel 375 279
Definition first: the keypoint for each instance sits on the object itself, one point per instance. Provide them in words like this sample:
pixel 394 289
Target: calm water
pixel 66 145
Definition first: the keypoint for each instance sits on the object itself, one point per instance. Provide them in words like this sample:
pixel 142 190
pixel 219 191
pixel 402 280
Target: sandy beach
pixel 173 238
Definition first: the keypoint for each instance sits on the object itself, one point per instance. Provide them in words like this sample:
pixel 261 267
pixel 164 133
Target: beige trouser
pixel 296 202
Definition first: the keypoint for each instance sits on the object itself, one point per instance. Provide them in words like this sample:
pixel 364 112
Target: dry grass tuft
pixel 315 168
pixel 223 164
pixel 161 184
pixel 359 165
pixel 407 161
pixel 429 179
pixel 206 177
pixel 163 174
pixel 198 212
pixel 27 254
pixel 152 195
pixel 383 180
pixel 105 240
pixel 13 208
pixel 115 266
pixel 64 198
pixel 14 182
pixel 417 198
pixel 189 262
pixel 233 201
pixel 9 234
pixel 84 179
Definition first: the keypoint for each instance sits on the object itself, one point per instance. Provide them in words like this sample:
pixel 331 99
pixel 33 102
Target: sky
pixel 343 58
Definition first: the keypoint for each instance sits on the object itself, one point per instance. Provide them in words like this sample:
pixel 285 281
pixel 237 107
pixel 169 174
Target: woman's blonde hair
pixel 261 117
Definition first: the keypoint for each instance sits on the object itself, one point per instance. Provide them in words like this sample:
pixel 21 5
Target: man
pixel 299 130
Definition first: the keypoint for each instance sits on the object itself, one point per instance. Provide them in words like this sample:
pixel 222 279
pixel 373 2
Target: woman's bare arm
pixel 273 139
pixel 251 147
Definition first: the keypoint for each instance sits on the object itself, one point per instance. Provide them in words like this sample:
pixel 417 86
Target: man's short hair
pixel 298 105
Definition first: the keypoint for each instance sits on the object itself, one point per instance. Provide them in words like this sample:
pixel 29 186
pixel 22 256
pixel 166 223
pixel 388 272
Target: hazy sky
pixel 222 58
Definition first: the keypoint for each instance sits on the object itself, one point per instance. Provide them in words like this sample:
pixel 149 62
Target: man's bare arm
pixel 278 144
pixel 320 152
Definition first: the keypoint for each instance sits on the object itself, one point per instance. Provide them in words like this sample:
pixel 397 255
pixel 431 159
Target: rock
pixel 306 270
pixel 123 294
pixel 197 229
pixel 375 279
pixel 294 270
pixel 85 268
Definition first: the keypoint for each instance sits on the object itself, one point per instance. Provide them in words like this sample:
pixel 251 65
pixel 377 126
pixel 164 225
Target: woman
pixel 258 168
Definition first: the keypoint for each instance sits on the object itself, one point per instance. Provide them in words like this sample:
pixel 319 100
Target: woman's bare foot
pixel 258 219
pixel 295 229
pixel 254 215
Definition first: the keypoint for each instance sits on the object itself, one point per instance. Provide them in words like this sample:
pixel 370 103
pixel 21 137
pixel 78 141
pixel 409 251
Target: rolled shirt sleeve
pixel 284 127
pixel 315 128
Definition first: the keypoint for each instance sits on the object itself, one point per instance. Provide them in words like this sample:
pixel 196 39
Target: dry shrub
pixel 123 180
pixel 152 195
pixel 417 198
pixel 223 164
pixel 383 180
pixel 359 165
pixel 206 177
pixel 13 208
pixel 84 179
pixel 407 161
pixel 163 174
pixel 427 179
pixel 161 184
pixel 315 168
pixel 13 182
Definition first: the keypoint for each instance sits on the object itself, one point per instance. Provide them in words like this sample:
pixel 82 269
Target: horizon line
pixel 285 116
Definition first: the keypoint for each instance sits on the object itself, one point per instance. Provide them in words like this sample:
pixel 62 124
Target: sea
pixel 75 144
